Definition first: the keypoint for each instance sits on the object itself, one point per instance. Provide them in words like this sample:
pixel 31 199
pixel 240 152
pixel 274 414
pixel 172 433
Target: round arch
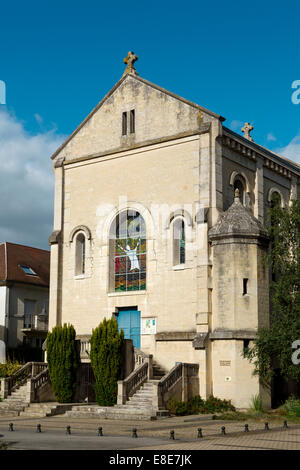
pixel 234 175
pixel 183 213
pixel 80 228
pixel 275 190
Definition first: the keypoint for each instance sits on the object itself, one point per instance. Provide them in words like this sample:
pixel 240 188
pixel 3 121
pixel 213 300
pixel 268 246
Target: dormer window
pixel 28 270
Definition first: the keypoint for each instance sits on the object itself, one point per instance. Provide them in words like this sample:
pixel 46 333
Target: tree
pixel 273 347
pixel 63 361
pixel 107 359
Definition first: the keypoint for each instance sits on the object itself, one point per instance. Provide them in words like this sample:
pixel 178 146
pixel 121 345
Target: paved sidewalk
pixel 151 434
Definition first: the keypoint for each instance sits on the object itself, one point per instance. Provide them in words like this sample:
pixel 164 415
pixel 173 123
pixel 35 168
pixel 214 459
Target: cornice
pixel 253 151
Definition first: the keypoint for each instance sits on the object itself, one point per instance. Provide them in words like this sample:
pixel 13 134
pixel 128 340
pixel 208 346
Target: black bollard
pixel 38 428
pixel 223 430
pixel 266 426
pixel 199 433
pixel 100 433
pixel 246 427
pixel 134 433
pixel 11 427
pixel 285 424
pixel 172 435
pixel 68 430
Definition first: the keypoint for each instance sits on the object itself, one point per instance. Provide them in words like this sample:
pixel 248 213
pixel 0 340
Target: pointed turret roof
pixel 238 221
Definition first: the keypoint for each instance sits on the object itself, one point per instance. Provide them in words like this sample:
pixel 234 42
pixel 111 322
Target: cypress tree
pixel 62 361
pixel 107 360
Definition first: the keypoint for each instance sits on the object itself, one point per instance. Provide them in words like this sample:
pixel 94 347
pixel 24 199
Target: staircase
pixel 21 389
pixel 157 371
pixel 138 403
pixel 41 410
pixel 15 403
pixel 138 407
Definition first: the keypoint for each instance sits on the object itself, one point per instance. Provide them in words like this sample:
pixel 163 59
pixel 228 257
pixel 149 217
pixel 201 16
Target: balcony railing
pixel 36 322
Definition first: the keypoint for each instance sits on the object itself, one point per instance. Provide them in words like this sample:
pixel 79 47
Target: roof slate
pixel 13 256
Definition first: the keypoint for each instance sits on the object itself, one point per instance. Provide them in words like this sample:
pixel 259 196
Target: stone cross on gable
pixel 130 60
pixel 247 129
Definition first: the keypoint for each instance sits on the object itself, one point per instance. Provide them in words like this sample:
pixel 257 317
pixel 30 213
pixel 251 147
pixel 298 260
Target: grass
pixel 256 403
pixel 277 415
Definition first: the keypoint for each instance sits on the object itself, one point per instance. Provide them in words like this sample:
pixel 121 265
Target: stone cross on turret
pixel 247 129
pixel 130 60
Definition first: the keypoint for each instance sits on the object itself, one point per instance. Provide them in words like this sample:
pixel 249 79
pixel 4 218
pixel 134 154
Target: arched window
pixel 80 254
pixel 239 184
pixel 275 199
pixel 128 252
pixel 178 241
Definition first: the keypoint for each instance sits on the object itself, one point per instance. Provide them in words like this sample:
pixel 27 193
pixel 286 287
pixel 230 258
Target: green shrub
pixel 197 405
pixel 106 360
pixel 214 404
pixel 6 370
pixel 292 407
pixel 63 361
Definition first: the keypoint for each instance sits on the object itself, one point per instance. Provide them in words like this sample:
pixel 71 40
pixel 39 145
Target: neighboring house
pixel 24 296
pixel 159 220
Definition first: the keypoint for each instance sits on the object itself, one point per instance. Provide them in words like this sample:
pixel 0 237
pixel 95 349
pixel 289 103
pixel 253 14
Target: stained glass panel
pixel 130 252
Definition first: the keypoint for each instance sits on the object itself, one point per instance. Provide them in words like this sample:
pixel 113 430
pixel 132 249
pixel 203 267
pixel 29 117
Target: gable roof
pixel 146 82
pixel 290 163
pixel 13 256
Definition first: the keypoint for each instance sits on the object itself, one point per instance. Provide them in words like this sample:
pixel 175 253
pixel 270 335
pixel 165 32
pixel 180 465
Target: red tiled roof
pixel 13 256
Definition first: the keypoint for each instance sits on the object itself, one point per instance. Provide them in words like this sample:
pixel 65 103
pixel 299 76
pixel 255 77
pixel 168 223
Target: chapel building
pixel 159 219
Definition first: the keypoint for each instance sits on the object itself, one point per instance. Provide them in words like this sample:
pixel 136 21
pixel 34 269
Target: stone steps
pixel 45 409
pixel 138 407
pixel 15 403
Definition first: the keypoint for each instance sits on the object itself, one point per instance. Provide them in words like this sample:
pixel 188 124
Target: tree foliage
pixel 273 347
pixel 106 359
pixel 63 361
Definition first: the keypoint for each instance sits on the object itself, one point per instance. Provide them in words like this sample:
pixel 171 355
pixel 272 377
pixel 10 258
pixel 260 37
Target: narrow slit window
pixel 245 286
pixel 80 255
pixel 132 121
pixel 178 242
pixel 124 123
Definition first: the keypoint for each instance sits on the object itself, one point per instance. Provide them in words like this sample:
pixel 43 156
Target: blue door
pixel 129 320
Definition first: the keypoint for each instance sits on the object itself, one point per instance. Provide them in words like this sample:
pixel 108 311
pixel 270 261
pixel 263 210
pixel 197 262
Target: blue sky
pixel 58 59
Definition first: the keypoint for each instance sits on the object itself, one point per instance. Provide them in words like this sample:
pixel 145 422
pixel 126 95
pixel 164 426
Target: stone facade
pixel 177 161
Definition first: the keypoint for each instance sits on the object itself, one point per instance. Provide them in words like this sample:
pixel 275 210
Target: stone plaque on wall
pixel 225 363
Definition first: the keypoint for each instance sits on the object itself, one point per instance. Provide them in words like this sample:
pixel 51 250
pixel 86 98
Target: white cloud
pixel 26 183
pixel 292 150
pixel 38 118
pixel 271 137
pixel 236 125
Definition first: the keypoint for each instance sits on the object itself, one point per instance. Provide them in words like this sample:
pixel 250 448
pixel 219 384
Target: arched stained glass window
pixel 128 252
pixel 178 242
pixel 80 254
